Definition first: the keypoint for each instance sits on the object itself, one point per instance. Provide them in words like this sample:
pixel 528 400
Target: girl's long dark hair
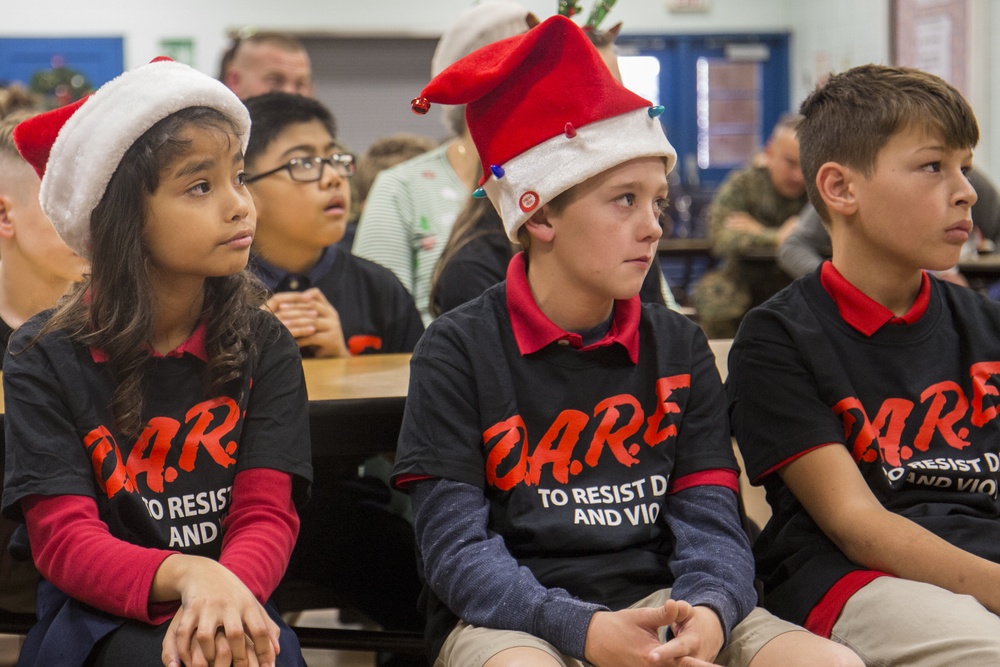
pixel 112 309
pixel 470 225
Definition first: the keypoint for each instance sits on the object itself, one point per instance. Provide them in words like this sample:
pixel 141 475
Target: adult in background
pixel 411 208
pixel 264 62
pixel 754 211
pixel 384 152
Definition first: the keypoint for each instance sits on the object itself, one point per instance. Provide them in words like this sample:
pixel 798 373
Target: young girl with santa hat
pixel 156 420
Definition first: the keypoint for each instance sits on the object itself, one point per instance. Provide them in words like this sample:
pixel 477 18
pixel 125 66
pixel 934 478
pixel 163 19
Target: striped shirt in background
pixel 407 220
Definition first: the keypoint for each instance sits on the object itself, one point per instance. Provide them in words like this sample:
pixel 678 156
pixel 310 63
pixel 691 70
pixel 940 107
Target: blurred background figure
pixel 752 214
pixel 266 61
pixel 15 98
pixel 383 153
pixel 411 207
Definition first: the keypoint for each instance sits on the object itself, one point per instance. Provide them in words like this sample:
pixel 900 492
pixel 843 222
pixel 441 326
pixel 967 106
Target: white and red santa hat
pixel 545 114
pixel 76 149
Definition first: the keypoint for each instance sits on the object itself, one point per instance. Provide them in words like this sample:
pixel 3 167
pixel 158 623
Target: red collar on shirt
pixel 194 345
pixel 861 311
pixel 533 330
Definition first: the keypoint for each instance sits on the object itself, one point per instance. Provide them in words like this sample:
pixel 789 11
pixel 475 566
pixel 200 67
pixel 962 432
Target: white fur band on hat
pixel 91 144
pixel 539 174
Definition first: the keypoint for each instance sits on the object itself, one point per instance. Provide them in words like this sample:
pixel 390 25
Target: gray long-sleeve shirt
pixel 470 569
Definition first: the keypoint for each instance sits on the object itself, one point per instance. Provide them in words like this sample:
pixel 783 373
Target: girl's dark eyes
pixel 201 188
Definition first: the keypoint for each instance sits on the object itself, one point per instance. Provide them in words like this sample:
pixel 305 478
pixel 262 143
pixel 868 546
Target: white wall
pixel 206 21
pixel 825 35
pixel 986 53
pixel 835 36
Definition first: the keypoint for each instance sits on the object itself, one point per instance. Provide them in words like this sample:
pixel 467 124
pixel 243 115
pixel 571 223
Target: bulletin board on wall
pixel 932 35
pixel 60 69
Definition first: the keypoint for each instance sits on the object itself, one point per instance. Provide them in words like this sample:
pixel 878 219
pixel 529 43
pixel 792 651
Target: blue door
pixel 722 93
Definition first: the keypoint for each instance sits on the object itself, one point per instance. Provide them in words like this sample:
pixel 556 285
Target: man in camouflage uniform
pixel 752 213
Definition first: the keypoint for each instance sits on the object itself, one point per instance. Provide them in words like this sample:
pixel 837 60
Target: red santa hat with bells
pixel 545 114
pixel 76 149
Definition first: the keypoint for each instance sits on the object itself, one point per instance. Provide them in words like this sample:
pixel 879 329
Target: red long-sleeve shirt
pixel 75 551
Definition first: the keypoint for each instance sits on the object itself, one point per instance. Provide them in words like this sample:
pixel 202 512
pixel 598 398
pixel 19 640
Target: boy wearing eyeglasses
pixel 335 304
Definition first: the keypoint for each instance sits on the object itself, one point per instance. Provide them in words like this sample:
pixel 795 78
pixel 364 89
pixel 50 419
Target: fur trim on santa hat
pixel 77 149
pixel 548 169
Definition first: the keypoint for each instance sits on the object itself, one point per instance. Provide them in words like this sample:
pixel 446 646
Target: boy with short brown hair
pixel 864 395
pixel 565 445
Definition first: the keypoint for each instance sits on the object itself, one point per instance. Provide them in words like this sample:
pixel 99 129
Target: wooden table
pixel 372 377
pixel 355 405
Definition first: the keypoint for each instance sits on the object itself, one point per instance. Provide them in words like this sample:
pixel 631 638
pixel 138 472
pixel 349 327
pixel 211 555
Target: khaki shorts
pixel 472 646
pixel 901 622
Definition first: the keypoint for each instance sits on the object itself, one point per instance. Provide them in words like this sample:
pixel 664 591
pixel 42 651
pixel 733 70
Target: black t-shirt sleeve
pixel 43 453
pixel 276 429
pixel 775 407
pixel 441 433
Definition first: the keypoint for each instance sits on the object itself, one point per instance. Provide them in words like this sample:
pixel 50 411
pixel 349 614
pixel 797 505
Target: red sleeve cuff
pixel 403 482
pixel 781 464
pixel 717 477
pixel 824 615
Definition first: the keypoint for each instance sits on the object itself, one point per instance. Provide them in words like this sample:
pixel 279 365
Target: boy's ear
pixel 6 223
pixel 538 225
pixel 835 184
